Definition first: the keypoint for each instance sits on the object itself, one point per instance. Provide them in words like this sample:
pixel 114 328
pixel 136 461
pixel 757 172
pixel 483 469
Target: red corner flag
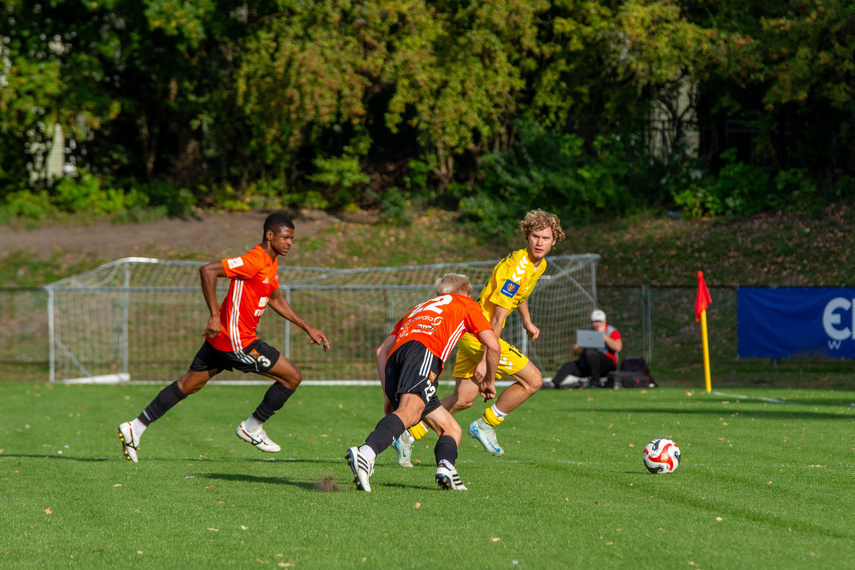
pixel 703 299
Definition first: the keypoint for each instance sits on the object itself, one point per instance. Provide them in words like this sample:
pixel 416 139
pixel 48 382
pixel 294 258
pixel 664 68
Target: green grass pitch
pixel 766 481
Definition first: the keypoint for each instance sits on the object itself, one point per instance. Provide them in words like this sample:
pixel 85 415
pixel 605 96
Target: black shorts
pixel 413 369
pixel 257 357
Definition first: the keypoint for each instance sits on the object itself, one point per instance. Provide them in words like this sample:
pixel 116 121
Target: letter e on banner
pixel 831 318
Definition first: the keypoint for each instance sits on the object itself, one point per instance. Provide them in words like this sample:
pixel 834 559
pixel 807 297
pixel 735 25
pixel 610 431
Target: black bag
pixel 634 364
pixel 633 373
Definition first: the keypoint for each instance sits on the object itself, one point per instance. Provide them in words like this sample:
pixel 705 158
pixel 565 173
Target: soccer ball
pixel 661 456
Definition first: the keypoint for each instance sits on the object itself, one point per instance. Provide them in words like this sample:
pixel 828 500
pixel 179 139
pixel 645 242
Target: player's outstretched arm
pixel 209 274
pixel 492 351
pixel 532 331
pixel 498 323
pixel 281 306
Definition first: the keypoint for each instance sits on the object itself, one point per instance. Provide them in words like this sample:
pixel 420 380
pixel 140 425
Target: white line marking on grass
pixel 770 400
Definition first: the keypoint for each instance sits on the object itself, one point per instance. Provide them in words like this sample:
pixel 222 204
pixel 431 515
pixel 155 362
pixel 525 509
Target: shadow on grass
pixel 243 478
pixel 63 457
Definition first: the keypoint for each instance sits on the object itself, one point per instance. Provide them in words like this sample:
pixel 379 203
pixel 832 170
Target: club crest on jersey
pixel 509 289
pixel 235 262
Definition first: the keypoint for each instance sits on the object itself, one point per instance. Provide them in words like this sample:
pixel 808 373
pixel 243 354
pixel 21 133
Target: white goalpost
pixel 141 320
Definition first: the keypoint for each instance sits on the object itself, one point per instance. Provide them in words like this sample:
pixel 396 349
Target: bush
pixel 178 203
pixel 559 173
pixel 27 204
pixel 739 190
pixel 395 208
pixel 83 193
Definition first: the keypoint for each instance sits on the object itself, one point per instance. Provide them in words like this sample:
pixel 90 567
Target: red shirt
pixel 253 279
pixel 439 323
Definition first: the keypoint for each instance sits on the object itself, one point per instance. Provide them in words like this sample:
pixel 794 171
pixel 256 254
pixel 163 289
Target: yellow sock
pixel 491 418
pixel 418 431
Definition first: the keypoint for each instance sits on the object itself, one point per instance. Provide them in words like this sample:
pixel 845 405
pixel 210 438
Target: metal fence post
pixel 51 334
pixel 288 325
pixel 125 311
pixel 648 348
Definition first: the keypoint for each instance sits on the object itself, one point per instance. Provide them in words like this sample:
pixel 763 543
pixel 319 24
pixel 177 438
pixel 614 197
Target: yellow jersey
pixel 511 283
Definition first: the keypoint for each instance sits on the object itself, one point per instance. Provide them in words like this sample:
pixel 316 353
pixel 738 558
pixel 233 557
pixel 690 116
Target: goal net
pixel 142 319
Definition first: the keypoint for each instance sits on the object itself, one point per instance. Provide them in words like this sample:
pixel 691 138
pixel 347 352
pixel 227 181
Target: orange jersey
pixel 253 279
pixel 439 323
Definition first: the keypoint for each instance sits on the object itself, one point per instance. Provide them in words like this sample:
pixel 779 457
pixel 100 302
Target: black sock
pixel 273 401
pixel 164 401
pixel 388 430
pixel 446 448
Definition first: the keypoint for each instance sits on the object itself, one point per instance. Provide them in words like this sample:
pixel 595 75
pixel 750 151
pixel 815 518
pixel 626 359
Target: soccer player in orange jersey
pixel 231 341
pixel 409 362
pixel 511 283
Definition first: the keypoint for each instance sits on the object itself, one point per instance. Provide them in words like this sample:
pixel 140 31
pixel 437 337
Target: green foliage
pixel 83 193
pixel 417 177
pixel 179 203
pixel 202 95
pixel 738 190
pixel 343 175
pixel 556 172
pixel 28 205
pixel 396 208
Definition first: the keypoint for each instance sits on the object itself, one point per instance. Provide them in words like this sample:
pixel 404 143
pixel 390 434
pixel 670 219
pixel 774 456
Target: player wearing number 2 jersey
pixel 409 362
pixel 511 283
pixel 231 341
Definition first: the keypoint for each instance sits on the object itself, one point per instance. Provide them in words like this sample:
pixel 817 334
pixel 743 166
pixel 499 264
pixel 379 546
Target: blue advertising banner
pixel 798 322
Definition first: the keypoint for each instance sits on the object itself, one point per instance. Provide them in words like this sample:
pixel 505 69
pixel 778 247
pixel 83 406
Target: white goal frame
pixel 140 320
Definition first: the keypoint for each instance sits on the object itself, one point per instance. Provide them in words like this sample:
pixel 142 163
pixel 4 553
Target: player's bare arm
pixel 498 323
pixel 209 273
pixel 532 331
pixel 278 303
pixel 492 351
pixel 382 355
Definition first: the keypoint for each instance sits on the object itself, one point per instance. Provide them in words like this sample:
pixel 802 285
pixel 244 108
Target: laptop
pixel 590 339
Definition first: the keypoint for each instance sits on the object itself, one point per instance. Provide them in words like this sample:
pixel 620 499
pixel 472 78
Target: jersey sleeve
pixel 506 288
pixel 243 267
pixel 615 335
pixel 397 328
pixel 475 321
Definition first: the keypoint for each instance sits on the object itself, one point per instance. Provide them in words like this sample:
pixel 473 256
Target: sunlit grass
pixel 763 483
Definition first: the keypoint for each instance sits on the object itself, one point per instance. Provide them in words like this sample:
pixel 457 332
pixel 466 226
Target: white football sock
pixel 138 427
pixel 252 424
pixel 367 452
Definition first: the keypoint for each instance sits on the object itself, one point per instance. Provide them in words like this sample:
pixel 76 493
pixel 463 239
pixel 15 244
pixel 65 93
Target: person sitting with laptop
pixel 597 352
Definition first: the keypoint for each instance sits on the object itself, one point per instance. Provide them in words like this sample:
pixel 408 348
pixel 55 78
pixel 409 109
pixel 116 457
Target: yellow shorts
pixel 470 351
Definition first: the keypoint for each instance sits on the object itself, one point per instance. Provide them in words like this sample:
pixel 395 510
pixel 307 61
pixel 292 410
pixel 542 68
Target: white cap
pixel 598 316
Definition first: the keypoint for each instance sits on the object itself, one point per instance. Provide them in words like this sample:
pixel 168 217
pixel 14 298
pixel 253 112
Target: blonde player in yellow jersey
pixel 511 283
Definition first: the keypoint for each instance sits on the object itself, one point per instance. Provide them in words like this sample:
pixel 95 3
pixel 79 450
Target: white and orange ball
pixel 661 456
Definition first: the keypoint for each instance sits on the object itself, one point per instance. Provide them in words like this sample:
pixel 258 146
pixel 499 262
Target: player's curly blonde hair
pixel 537 220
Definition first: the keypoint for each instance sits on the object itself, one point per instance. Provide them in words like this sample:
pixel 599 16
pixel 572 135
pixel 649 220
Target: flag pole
pixel 702 301
pixel 706 351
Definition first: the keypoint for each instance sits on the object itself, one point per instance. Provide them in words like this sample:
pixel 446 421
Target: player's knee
pixel 291 378
pixel 532 381
pixel 191 383
pixel 454 430
pixel 464 402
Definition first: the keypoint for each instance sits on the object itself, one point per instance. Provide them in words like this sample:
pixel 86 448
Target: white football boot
pixel 483 432
pixel 257 438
